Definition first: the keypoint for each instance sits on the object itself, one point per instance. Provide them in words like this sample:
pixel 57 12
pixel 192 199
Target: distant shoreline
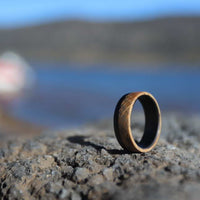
pixel 164 40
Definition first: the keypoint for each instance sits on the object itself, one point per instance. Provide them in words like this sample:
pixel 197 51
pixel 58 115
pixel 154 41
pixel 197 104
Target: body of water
pixel 67 97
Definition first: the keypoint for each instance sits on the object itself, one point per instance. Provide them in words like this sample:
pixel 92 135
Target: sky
pixel 15 13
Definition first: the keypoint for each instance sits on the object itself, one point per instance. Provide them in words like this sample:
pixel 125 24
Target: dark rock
pixel 90 164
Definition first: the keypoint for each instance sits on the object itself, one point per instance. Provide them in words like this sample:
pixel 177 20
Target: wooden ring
pixel 122 122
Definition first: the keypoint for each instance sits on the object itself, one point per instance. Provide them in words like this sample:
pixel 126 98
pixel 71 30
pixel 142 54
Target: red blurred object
pixel 15 76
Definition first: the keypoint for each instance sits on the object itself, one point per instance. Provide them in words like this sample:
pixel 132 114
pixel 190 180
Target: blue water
pixel 70 97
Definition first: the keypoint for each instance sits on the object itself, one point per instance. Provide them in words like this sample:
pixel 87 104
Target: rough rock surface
pixel 89 164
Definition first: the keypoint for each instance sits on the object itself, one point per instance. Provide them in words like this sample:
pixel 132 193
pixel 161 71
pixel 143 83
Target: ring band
pixel 122 122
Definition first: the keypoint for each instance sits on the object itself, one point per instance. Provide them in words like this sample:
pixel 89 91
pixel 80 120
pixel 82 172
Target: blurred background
pixel 67 63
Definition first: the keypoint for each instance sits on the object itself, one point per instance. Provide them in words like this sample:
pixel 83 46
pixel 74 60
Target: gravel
pixel 88 163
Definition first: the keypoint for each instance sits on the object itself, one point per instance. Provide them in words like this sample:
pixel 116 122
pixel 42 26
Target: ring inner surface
pixel 151 121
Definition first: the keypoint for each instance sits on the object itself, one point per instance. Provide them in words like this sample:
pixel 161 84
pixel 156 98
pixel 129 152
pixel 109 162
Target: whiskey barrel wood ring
pixel 122 122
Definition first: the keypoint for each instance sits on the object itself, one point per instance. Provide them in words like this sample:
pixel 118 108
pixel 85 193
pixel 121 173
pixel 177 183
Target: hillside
pixel 160 40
